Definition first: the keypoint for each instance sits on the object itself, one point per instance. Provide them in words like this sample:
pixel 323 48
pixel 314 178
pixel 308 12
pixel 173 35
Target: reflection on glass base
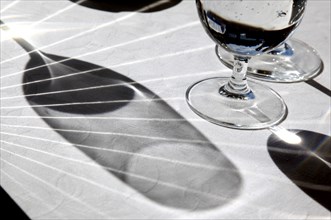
pixel 301 64
pixel 263 111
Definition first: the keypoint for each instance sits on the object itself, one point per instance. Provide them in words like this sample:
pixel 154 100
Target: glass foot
pixel 267 108
pixel 300 63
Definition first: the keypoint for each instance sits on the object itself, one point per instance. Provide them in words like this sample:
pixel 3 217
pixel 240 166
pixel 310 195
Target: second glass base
pixel 301 64
pixel 265 110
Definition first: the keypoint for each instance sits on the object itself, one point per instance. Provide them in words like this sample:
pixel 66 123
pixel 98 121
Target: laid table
pixel 95 125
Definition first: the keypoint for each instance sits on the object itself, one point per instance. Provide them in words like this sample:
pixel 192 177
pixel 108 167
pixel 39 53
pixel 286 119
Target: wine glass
pixel 293 61
pixel 245 28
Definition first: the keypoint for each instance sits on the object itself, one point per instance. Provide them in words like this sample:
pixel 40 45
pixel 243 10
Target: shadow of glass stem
pixel 160 154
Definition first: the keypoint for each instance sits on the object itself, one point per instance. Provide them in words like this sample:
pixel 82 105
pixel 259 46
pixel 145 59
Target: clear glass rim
pixel 259 126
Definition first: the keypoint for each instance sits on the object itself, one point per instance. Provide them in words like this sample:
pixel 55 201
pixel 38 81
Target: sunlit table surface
pixel 112 137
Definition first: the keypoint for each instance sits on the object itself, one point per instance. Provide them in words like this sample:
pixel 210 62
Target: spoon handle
pixel 29 48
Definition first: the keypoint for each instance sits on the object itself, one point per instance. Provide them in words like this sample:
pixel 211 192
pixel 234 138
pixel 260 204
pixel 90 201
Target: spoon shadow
pixel 303 156
pixel 130 131
pixel 127 5
pixel 307 164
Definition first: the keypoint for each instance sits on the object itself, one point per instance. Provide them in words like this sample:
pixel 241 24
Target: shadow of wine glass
pixel 127 5
pixel 307 164
pixel 131 132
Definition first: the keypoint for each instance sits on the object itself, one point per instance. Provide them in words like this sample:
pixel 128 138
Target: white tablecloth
pixel 194 170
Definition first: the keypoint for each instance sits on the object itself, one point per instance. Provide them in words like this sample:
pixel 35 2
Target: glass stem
pixel 237 86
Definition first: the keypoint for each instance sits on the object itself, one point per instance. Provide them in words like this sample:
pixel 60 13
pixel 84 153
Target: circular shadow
pixel 128 5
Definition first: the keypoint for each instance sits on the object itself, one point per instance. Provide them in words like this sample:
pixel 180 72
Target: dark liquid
pixel 241 39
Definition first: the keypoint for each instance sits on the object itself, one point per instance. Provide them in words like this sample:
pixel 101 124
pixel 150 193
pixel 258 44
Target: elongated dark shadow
pixel 307 164
pixel 204 178
pixel 127 5
pixel 319 87
pixel 10 208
